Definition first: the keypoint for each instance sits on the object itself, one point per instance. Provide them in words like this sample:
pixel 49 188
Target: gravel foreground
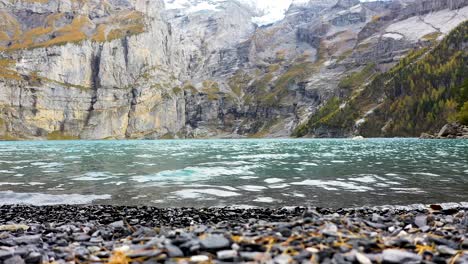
pixel 113 234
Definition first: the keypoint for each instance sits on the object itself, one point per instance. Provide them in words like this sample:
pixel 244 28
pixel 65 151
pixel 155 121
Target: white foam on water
pixel 199 193
pixel 393 183
pixel 11 183
pixel 332 185
pixel 18 175
pixel 10 197
pixel 248 177
pixel 228 163
pixel 117 183
pixel 139 197
pixel 47 165
pixel 273 180
pixel 382 184
pixel 407 190
pixel 365 179
pixel 36 183
pixel 426 174
pixel 264 200
pixel 253 188
pixel 7 171
pixel 338 161
pixel 229 188
pixel 279 186
pixel 301 195
pixel 195 174
pixel 145 156
pixel 308 164
pixel 72 157
pixel 94 176
pixel 57 188
pixel 268 156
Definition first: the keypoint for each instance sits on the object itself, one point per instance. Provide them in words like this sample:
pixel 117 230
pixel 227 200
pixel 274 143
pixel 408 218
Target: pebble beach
pixel 115 234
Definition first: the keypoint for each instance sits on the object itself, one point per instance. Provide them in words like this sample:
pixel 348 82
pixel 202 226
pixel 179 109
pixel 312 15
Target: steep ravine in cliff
pixel 136 69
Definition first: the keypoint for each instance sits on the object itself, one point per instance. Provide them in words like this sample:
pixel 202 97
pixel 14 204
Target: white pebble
pixel 199 258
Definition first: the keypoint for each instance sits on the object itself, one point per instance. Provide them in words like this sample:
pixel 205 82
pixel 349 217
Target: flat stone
pixel 420 221
pixel 227 254
pixel 174 252
pixel 28 239
pixel 445 250
pixel 117 224
pixel 425 229
pixel 283 259
pixel 215 242
pixel 14 260
pixel 82 238
pixel 362 259
pixel 4 254
pixel 399 256
pixel 252 256
pixel 199 258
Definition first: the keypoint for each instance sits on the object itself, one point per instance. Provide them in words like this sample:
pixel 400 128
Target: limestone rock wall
pixel 105 69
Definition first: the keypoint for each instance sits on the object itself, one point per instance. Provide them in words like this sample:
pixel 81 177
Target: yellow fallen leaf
pixel 13 228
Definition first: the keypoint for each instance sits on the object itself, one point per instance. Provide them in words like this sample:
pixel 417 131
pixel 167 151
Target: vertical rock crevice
pixel 95 81
pixel 133 102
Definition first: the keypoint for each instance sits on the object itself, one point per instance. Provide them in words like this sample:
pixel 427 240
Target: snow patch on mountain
pixel 266 11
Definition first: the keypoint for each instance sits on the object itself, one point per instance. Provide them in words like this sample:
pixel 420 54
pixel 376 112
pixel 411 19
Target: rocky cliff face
pixel 101 69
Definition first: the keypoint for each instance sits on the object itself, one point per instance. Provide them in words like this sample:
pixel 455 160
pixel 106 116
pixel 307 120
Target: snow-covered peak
pixel 192 6
pixel 269 11
pixel 266 11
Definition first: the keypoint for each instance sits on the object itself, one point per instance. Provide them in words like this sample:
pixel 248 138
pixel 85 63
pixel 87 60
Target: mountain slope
pixel 423 92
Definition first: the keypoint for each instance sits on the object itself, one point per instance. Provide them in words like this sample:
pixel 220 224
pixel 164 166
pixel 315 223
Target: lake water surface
pixel 276 172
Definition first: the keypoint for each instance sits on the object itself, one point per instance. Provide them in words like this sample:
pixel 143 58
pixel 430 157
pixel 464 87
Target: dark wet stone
pixel 5 254
pixel 215 242
pixel 304 254
pixel 33 258
pixel 285 232
pixel 442 241
pixel 464 244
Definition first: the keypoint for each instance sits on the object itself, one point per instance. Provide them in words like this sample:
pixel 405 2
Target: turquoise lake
pixel 270 172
